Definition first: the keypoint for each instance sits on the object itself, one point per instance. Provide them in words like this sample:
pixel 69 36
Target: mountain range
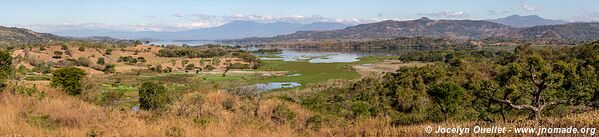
pixel 527 21
pixel 232 30
pixel 452 29
pixel 390 29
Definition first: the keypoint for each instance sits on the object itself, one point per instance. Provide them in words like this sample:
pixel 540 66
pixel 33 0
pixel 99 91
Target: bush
pixel 110 68
pixel 64 47
pixel 152 96
pixel 83 61
pixel 81 49
pixel 69 79
pixel 141 59
pixel 57 54
pixel 108 52
pixel 239 66
pixel 282 114
pixel 101 61
pixel 111 97
pixel 190 67
pixel 6 68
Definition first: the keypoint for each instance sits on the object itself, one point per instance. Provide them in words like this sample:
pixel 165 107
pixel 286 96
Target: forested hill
pixel 452 29
pixel 12 35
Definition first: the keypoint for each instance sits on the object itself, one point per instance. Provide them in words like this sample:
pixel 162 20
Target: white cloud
pixel 529 8
pixel 194 21
pixel 446 14
pixel 586 16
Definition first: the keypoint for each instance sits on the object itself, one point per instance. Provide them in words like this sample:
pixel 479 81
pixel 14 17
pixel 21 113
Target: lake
pixel 184 42
pixel 325 55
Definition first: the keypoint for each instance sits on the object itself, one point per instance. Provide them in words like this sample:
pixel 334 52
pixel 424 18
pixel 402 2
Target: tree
pixel 101 61
pixel 69 79
pixel 532 84
pixel 152 96
pixel 448 96
pixel 6 68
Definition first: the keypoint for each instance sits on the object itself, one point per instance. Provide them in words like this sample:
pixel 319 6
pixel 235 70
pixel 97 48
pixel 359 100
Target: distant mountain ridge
pixel 527 21
pixel 232 30
pixel 13 35
pixel 452 29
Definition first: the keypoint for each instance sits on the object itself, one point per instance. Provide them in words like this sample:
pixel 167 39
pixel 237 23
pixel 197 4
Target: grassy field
pixel 181 82
pixel 312 73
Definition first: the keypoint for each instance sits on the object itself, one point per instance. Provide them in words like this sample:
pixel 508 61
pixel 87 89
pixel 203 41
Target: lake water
pixel 276 85
pixel 184 42
pixel 324 56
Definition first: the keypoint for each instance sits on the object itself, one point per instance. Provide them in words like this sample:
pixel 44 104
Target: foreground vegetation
pixel 526 87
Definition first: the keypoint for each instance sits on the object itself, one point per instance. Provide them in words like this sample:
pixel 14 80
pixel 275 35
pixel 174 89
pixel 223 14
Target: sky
pixel 176 15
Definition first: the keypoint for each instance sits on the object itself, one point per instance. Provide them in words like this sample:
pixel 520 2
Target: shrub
pixel 209 67
pixel 238 66
pixel 190 67
pixel 81 49
pixel 57 54
pixel 108 52
pixel 101 61
pixel 110 68
pixel 111 97
pixel 68 52
pixel 152 96
pixel 6 68
pixel 64 47
pixel 83 61
pixel 314 122
pixel 282 114
pixel 69 79
pixel 141 59
pixel 184 62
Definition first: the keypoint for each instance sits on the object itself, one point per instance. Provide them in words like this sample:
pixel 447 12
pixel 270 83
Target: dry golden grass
pixel 227 115
pixel 206 113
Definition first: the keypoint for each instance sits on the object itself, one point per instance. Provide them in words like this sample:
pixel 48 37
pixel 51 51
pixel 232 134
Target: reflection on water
pixel 135 108
pixel 276 85
pixel 326 56
pixel 184 42
pixel 294 75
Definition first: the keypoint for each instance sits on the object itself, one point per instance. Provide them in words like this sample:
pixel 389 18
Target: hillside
pixel 125 59
pixel 455 29
pixel 527 21
pixel 452 29
pixel 574 31
pixel 12 35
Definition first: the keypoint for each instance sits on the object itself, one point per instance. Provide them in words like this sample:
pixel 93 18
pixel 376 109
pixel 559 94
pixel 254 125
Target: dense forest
pixel 493 86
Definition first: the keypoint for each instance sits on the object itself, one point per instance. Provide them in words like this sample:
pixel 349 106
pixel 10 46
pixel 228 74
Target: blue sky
pixel 172 15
